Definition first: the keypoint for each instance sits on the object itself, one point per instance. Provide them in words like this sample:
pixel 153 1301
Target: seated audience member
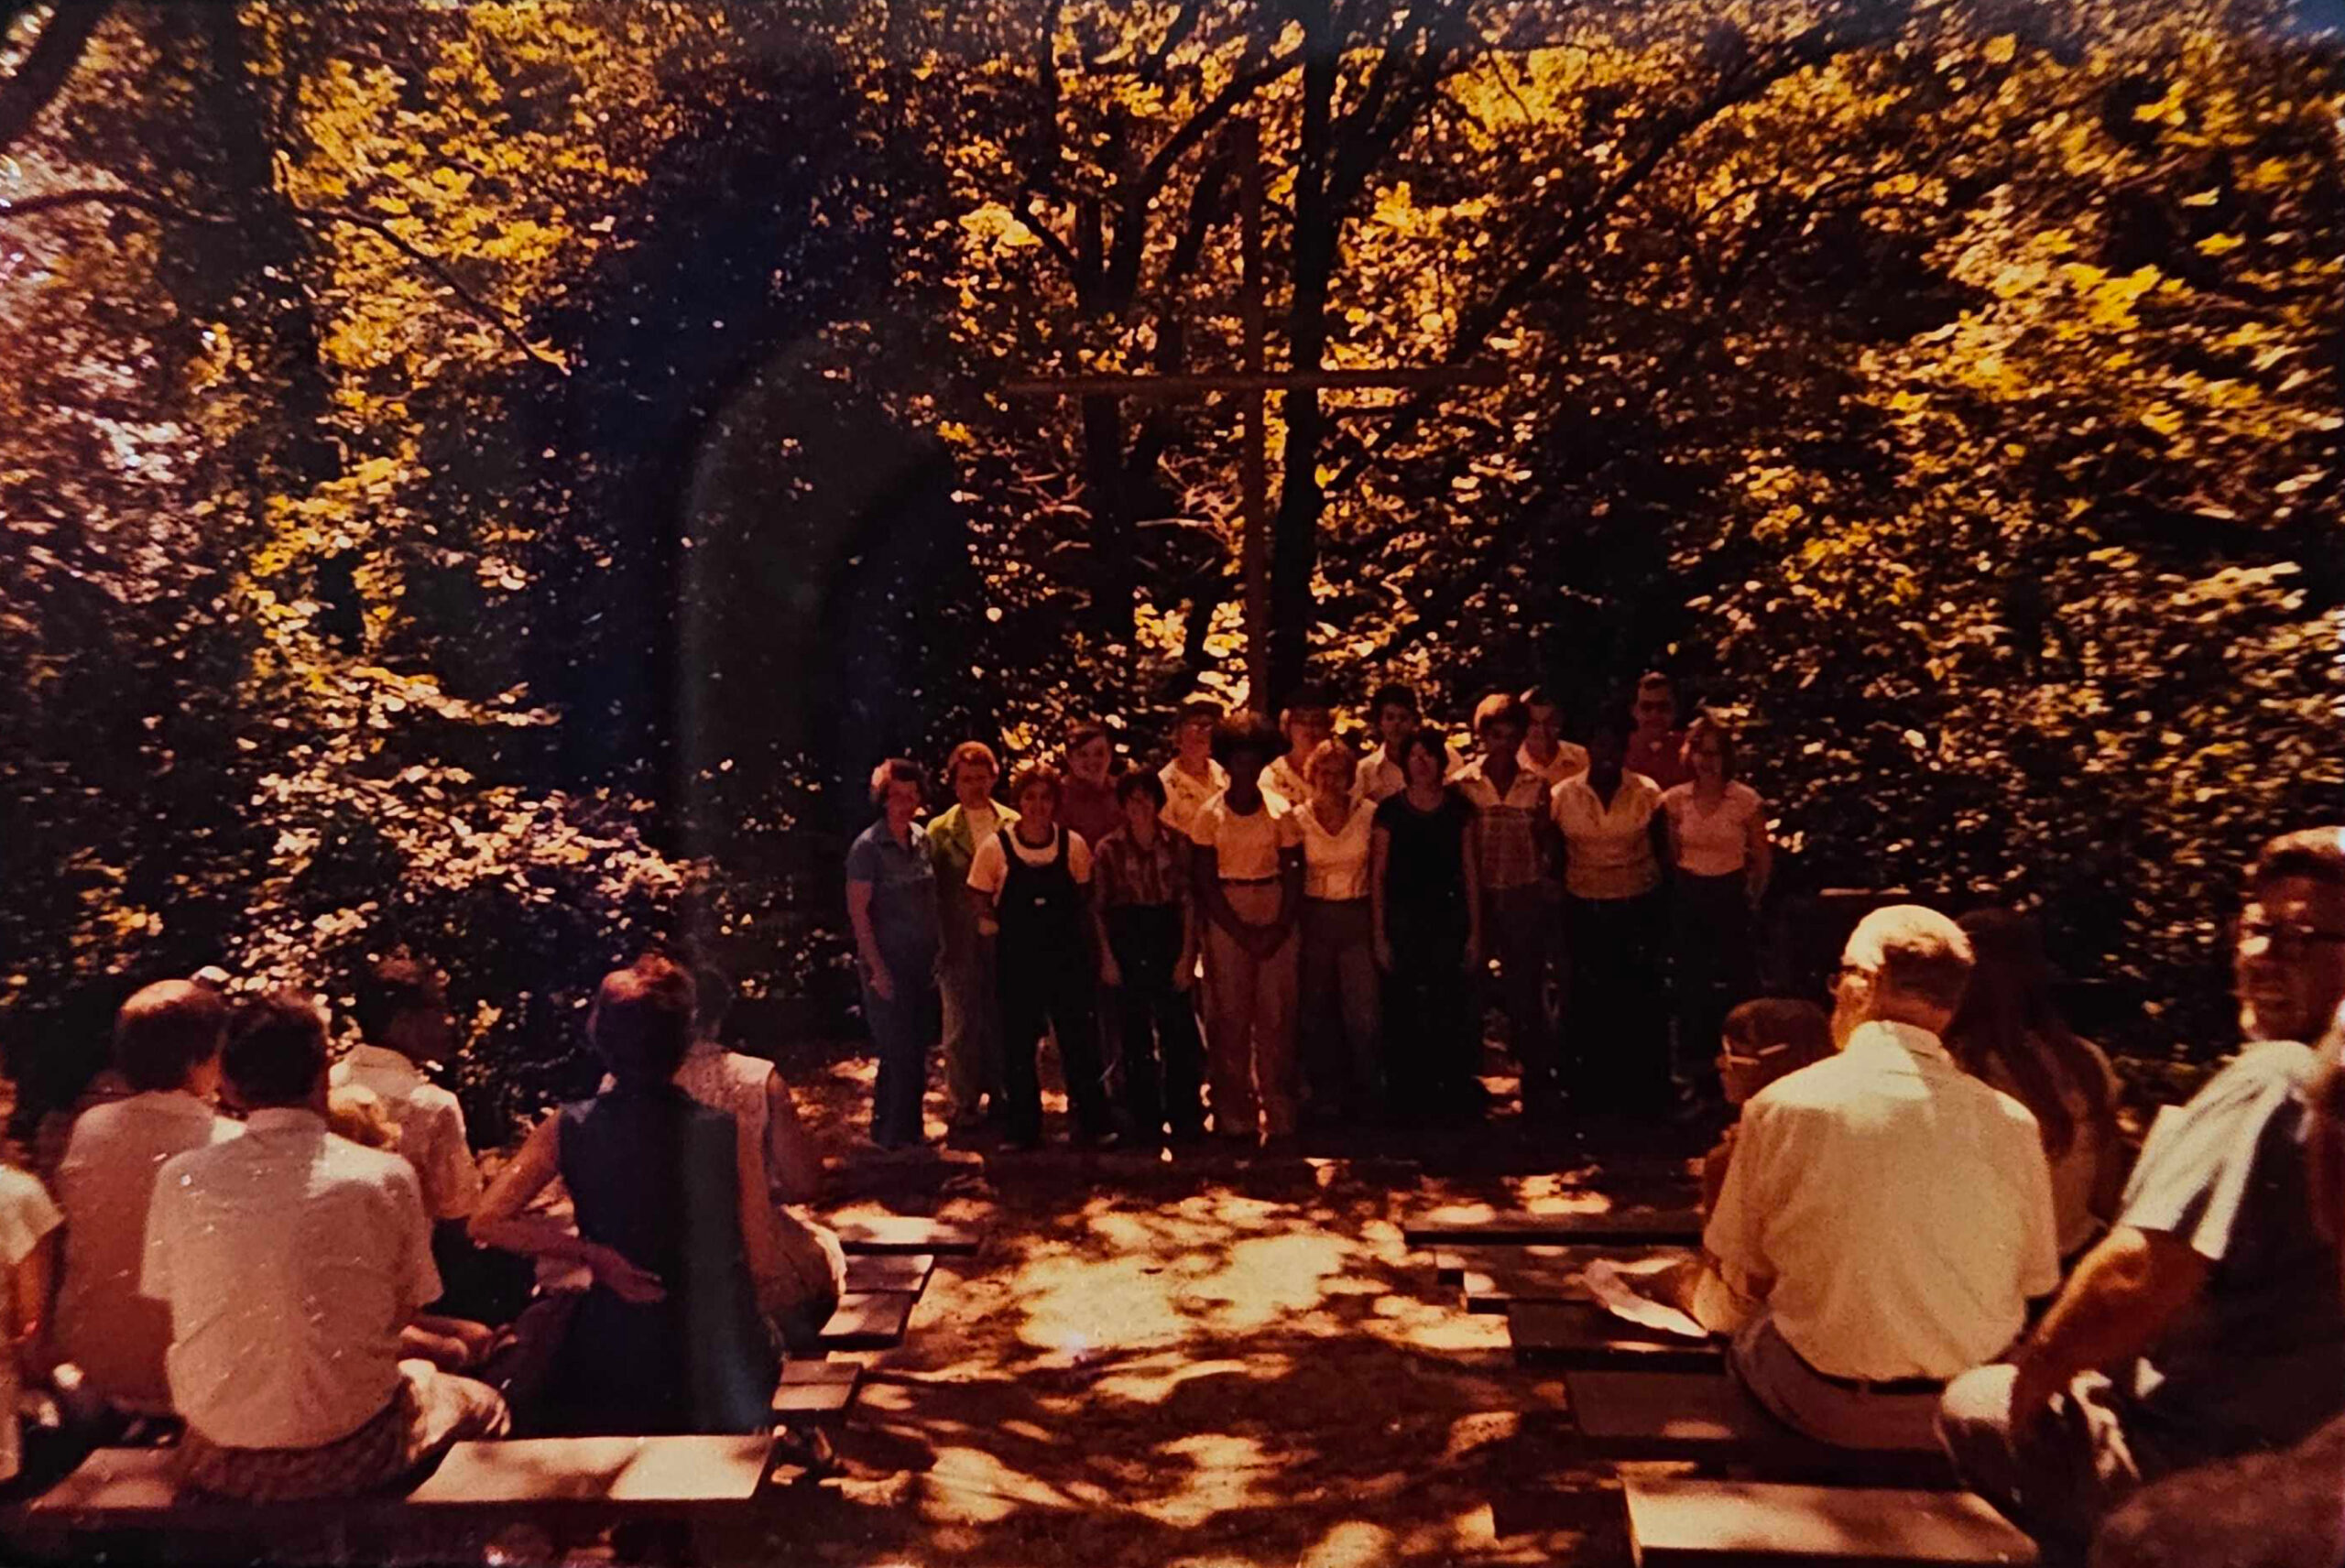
pixel 29 1223
pixel 72 1075
pixel 1192 777
pixel 1891 1214
pixel 452 1344
pixel 668 1338
pixel 2008 1032
pixel 1030 886
pixel 1545 751
pixel 404 1029
pixel 1393 712
pixel 1760 1042
pixel 2208 1323
pixel 806 1268
pixel 167 1044
pixel 290 1260
pixel 1656 745
pixel 1148 961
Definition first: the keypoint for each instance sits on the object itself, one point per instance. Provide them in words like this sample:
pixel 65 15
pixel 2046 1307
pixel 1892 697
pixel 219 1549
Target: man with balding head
pixel 2207 1323
pixel 1891 1214
pixel 166 1042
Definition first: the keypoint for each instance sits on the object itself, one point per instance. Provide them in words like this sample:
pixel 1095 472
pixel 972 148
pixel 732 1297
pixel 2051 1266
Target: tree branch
pixel 172 211
pixel 49 61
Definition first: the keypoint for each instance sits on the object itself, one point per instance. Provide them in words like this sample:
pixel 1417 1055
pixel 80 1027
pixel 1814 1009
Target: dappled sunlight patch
pixel 1282 1275
pixel 1228 1470
pixel 1155 1384
pixel 1355 1544
pixel 974 1485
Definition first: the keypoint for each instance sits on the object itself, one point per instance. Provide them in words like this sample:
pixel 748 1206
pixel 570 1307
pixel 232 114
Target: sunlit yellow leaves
pixel 995 225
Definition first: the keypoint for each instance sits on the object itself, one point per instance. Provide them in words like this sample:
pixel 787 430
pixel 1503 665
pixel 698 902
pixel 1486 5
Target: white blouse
pixel 1335 865
pixel 1713 841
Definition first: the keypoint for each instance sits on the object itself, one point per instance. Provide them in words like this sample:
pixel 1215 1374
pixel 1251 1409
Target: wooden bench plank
pixel 869 1320
pixel 1574 1334
pixel 1741 1524
pixel 890 1271
pixel 1709 1416
pixel 815 1393
pixel 906 1233
pixel 636 1473
pixel 1616 1228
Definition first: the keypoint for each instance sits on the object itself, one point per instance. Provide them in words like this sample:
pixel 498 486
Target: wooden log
pixel 648 1474
pixel 906 1233
pixel 1613 1228
pixel 869 1320
pixel 1710 1417
pixel 890 1271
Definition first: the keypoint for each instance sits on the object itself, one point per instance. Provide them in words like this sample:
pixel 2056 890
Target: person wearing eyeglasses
pixel 2208 1323
pixel 1890 1214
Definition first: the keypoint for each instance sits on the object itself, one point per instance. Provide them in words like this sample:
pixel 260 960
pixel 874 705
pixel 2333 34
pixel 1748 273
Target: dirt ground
pixel 1221 1361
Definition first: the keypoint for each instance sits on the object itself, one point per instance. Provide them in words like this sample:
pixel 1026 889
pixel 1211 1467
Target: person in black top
pixel 1427 913
pixel 1032 883
pixel 669 1338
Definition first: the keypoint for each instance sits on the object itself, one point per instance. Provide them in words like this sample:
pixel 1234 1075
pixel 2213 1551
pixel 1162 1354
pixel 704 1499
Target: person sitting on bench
pixel 1891 1215
pixel 290 1259
pixel 2208 1323
pixel 668 1338
pixel 166 1042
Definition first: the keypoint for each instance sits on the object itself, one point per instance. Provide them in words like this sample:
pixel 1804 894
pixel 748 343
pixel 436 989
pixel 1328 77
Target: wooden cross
pixel 1254 384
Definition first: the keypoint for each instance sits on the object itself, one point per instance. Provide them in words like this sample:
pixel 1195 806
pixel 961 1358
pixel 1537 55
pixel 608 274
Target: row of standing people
pixel 1351 917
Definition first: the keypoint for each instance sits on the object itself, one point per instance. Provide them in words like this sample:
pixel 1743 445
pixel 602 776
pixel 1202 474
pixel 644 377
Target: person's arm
pixel 500 1221
pixel 28 1312
pixel 985 882
pixel 2118 1304
pixel 1714 1169
pixel 1103 877
pixel 1185 968
pixel 793 1164
pixel 1380 856
pixel 1734 1239
pixel 1759 855
pixel 1550 840
pixel 1657 831
pixel 1274 935
pixel 754 1199
pixel 1670 847
pixel 867 942
pixel 1204 876
pixel 1473 869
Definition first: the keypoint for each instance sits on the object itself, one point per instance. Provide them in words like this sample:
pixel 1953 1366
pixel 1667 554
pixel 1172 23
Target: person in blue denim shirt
pixel 891 903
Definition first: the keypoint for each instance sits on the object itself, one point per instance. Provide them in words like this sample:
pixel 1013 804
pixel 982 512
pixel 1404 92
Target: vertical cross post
pixel 1256 441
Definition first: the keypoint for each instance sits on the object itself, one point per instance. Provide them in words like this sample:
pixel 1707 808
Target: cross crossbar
pixel 1174 384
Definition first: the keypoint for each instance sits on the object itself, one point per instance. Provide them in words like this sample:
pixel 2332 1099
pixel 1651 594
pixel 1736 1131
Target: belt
pixel 1892 1386
pixel 1249 881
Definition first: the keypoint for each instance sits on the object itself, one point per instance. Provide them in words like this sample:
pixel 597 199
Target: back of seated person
pixel 1760 1042
pixel 166 1043
pixel 290 1260
pixel 668 1338
pixel 1891 1214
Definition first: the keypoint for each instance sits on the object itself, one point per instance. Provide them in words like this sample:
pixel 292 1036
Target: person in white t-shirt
pixel 1338 983
pixel 1032 885
pixel 1249 887
pixel 1393 711
pixel 1612 844
pixel 1192 777
pixel 1545 751
pixel 1890 1213
pixel 1307 721
pixel 1719 860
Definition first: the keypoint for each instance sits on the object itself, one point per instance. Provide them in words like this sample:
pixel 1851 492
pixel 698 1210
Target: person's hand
pixel 1384 954
pixel 636 1286
pixel 883 985
pixel 2033 1388
pixel 1110 971
pixel 1185 972
pixel 477 1339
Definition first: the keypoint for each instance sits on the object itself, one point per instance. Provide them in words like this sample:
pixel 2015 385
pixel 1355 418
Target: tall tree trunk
pixel 1294 532
pixel 267 249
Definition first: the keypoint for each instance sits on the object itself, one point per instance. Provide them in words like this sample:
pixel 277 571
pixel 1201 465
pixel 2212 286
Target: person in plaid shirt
pixel 1512 845
pixel 1147 947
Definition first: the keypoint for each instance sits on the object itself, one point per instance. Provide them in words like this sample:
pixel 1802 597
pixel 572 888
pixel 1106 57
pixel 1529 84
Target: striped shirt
pixel 1125 874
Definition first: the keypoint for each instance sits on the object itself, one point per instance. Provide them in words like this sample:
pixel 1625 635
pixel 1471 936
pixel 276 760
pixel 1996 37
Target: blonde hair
pixel 357 1113
pixel 1334 748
